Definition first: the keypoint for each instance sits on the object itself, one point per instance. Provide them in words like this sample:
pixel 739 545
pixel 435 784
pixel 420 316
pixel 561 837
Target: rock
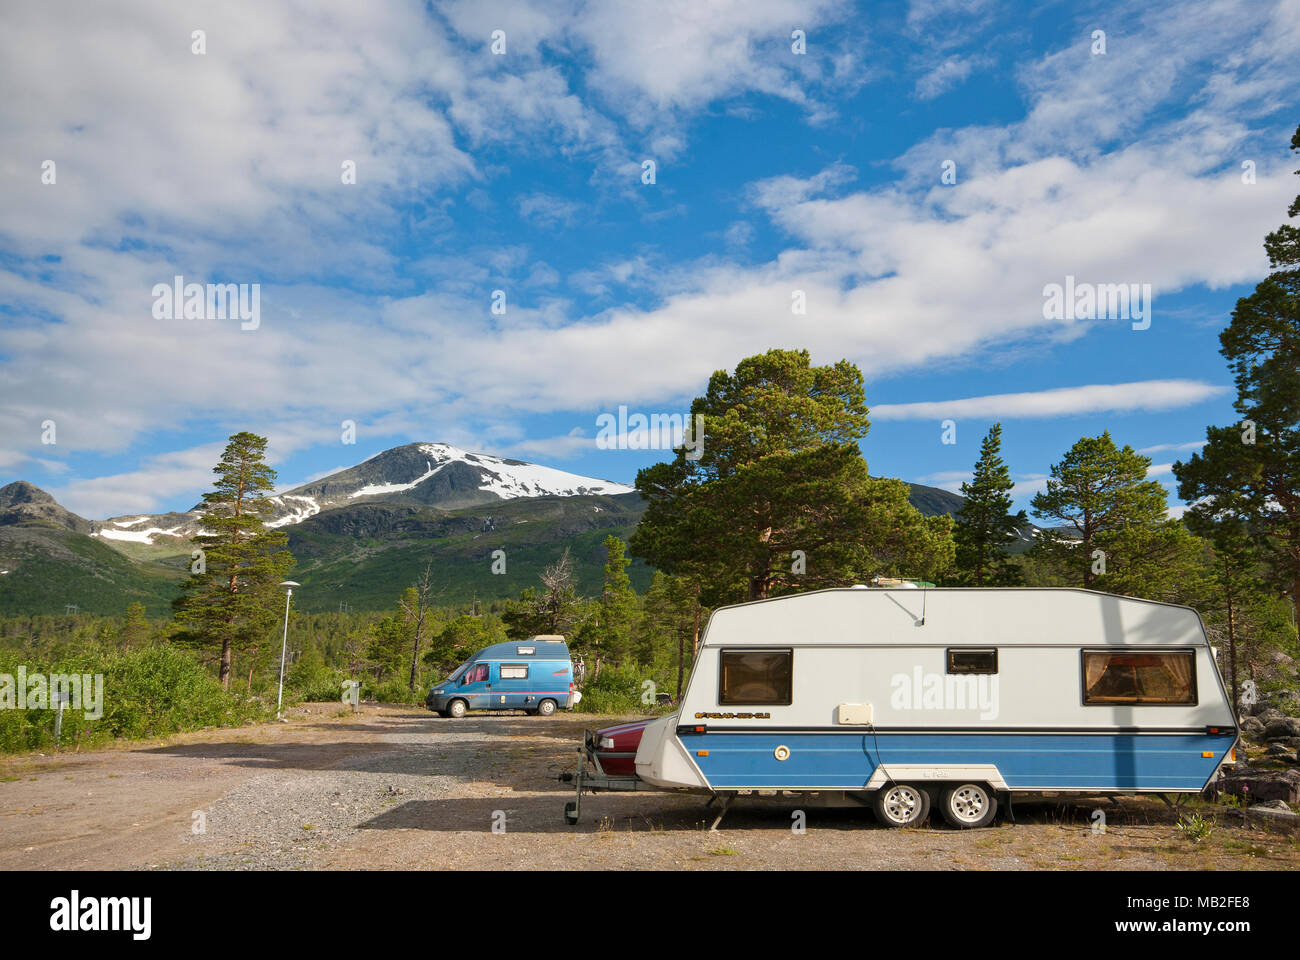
pixel 1280 751
pixel 1261 786
pixel 1273 812
pixel 1268 714
pixel 1278 729
pixel 1252 727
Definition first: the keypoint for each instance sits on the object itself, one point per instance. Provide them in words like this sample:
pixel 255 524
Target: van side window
pixel 475 674
pixel 1139 677
pixel 972 661
pixel 756 677
pixel 514 671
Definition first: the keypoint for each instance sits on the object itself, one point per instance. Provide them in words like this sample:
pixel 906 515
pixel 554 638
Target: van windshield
pixel 455 674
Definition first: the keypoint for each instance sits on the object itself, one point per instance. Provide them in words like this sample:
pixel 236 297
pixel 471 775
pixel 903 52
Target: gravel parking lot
pixel 395 787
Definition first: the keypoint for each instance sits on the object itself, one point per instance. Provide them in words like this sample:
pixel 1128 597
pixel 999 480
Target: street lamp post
pixel 284 644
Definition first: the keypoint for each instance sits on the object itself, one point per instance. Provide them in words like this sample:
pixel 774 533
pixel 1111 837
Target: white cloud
pixel 141 491
pixel 1175 447
pixel 1145 395
pixel 547 210
pixel 229 164
pixel 948 74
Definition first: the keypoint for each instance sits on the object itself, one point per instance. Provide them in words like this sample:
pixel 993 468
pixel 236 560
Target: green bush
pixel 148 692
pixel 311 678
pixel 394 691
pixel 619 689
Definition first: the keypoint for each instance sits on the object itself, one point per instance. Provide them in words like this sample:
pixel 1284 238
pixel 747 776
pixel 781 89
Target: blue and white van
pixel 533 675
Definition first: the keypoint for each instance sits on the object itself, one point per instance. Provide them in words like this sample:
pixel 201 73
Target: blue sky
pixel 775 172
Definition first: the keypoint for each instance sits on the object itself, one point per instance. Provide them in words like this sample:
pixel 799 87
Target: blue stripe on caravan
pixel 1121 761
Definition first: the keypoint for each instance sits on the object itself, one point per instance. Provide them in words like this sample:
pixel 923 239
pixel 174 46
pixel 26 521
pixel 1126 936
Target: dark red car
pixel 615 747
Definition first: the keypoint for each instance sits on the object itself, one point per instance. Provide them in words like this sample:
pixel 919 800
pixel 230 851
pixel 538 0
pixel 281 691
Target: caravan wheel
pixel 456 709
pixel 901 805
pixel 969 805
pixel 546 707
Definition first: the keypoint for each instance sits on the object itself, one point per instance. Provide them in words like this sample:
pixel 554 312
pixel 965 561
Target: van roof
pixel 542 650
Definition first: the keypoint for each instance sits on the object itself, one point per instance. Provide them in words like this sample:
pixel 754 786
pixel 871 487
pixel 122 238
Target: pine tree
pixel 231 602
pixel 1250 471
pixel 668 629
pixel 135 628
pixel 984 525
pixel 778 496
pixel 1100 490
pixel 618 605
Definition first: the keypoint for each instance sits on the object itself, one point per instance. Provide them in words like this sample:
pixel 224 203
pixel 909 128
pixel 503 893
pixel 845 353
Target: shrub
pixel 147 692
pixel 617 690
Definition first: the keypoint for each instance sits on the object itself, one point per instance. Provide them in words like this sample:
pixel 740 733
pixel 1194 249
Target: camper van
pixel 533 675
pixel 908 699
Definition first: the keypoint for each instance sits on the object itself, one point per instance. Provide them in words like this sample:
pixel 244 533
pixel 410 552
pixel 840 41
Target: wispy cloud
pixel 1147 395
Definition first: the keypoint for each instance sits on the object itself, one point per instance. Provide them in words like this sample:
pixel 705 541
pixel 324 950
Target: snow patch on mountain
pixel 136 536
pixel 505 478
pixel 308 507
pixel 374 489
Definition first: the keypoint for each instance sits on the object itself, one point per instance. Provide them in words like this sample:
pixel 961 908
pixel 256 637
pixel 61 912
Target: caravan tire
pixel 901 805
pixel 546 707
pixel 968 805
pixel 456 709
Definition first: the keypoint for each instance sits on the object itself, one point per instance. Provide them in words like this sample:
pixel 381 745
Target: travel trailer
pixel 908 699
pixel 535 675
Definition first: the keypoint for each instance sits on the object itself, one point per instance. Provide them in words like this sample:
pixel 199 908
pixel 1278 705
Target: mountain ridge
pixel 357 534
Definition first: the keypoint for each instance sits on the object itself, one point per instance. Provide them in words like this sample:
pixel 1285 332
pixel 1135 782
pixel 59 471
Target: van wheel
pixel 968 805
pixel 901 805
pixel 456 709
pixel 546 707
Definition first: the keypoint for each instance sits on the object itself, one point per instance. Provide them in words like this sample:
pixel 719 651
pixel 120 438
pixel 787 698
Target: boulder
pixel 1260 786
pixel 1282 728
pixel 1252 727
pixel 1273 812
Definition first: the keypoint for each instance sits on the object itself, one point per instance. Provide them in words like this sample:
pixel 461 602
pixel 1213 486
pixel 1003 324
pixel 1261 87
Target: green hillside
pixel 362 555
pixel 50 567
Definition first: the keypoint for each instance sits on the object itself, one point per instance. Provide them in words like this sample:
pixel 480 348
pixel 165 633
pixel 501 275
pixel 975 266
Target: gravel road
pixel 394 787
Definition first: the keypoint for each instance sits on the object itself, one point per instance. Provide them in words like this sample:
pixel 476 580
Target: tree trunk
pixel 681 656
pixel 1295 601
pixel 249 688
pixel 1232 651
pixel 224 676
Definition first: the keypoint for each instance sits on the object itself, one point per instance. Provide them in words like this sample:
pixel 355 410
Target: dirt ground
pixel 393 787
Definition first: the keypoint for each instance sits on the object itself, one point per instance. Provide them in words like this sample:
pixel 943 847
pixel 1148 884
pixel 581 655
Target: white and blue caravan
pixel 953 697
pixel 533 675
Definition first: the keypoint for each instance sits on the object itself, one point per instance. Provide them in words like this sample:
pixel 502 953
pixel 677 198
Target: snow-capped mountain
pixel 417 474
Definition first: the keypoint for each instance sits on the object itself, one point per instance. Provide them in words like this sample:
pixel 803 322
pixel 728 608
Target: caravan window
pixel 1132 677
pixel 514 671
pixel 972 661
pixel 756 677
pixel 475 674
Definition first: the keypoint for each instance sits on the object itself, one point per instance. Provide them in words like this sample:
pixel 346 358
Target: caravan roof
pixel 1029 616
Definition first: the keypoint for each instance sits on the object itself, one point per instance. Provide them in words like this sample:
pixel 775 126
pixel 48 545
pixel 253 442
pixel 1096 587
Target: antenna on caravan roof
pixel 925 590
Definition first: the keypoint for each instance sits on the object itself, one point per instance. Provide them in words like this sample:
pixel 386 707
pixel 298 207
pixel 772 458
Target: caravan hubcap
pixel 969 803
pixel 902 804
